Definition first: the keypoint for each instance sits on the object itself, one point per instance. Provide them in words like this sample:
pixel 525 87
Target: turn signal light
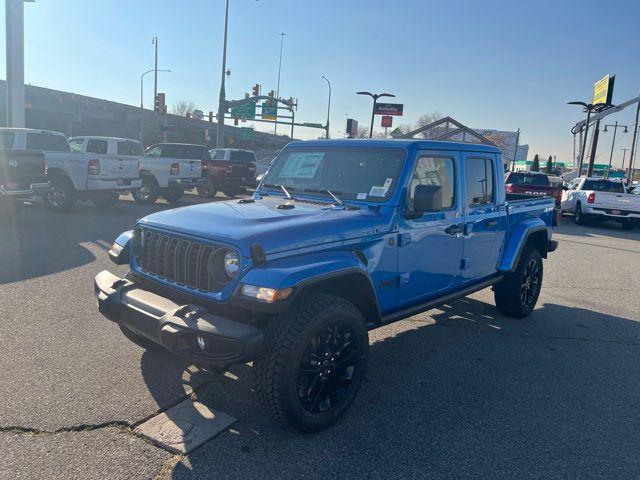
pixel 94 167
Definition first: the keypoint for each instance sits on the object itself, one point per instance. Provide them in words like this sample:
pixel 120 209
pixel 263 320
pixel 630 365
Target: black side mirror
pixel 427 198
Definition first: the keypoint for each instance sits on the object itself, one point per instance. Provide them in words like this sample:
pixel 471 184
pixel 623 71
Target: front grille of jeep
pixel 186 263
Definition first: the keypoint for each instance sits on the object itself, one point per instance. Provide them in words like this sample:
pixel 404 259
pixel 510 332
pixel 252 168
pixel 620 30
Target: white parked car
pixel 601 198
pixel 168 169
pixel 75 175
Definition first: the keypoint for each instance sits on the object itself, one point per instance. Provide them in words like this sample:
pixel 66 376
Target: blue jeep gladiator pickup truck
pixel 341 236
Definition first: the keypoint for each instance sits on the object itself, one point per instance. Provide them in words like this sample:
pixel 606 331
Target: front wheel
pixel 313 364
pixel 173 195
pixel 517 293
pixel 105 199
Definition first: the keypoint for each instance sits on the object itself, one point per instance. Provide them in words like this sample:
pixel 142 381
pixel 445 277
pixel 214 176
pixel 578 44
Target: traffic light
pixel 211 116
pixel 160 107
pixel 256 90
pixel 272 93
pixel 290 103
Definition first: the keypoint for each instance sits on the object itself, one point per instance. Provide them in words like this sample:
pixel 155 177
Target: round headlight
pixel 231 263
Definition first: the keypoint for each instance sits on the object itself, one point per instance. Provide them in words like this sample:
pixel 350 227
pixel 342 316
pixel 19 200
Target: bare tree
pixel 182 107
pixel 363 132
pixel 500 142
pixel 426 119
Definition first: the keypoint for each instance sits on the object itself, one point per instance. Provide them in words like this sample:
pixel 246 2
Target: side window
pixel 129 147
pixel 154 151
pixel 97 146
pixel 438 171
pixel 76 144
pixel 217 154
pixel 171 151
pixel 192 152
pixel 479 181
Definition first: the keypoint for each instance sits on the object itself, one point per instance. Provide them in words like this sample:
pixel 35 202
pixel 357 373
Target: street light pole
pixel 328 106
pixel 515 152
pixel 155 69
pixel 275 125
pixel 624 156
pixel 588 107
pixel 142 100
pixel 222 102
pixel 375 97
pixel 613 142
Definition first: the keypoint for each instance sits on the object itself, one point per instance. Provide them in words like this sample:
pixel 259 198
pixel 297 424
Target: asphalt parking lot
pixel 457 392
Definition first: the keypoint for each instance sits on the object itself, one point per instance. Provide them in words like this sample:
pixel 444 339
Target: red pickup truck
pixel 230 170
pixel 534 183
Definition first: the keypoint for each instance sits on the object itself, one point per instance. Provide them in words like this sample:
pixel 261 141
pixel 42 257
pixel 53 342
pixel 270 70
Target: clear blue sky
pixel 490 64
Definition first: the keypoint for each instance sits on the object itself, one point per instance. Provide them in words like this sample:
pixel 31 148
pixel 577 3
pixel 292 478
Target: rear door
pixel 485 219
pixel 430 245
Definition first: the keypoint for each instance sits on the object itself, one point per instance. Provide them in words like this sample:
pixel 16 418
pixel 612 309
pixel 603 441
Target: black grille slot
pixel 181 261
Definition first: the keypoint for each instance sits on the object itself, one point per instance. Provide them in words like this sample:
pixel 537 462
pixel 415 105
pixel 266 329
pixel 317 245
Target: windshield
pixel 528 179
pixel 369 174
pixel 603 186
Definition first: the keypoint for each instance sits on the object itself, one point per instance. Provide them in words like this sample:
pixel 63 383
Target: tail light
pixel 509 188
pixel 175 169
pixel 591 198
pixel 559 196
pixel 94 167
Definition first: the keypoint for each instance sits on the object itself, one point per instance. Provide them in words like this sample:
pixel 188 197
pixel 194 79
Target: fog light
pixel 201 343
pixel 264 294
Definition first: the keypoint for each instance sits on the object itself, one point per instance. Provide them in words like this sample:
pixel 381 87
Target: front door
pixel 430 243
pixel 485 218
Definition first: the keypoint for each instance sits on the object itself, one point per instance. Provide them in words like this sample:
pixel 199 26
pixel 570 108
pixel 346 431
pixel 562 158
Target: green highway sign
pixel 269 112
pixel 247 110
pixel 314 125
pixel 246 132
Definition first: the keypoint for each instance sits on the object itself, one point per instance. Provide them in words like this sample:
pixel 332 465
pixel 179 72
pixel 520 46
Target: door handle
pixel 491 223
pixel 453 229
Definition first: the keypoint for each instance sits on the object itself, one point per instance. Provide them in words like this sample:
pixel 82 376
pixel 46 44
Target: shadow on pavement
pixel 463 393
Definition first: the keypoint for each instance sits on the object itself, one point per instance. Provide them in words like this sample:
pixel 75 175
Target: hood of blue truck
pixel 270 221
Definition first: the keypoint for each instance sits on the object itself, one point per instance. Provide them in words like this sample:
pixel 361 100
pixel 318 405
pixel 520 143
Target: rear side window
pixel 154 151
pixel 6 139
pixel 97 146
pixel 76 144
pixel 438 171
pixel 129 147
pixel 48 142
pixel 603 186
pixel 479 181
pixel 172 151
pixel 217 154
pixel 241 156
pixel 194 152
pixel 528 179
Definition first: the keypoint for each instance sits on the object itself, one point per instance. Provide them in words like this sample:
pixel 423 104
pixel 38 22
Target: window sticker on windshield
pixel 381 191
pixel 302 165
pixel 362 196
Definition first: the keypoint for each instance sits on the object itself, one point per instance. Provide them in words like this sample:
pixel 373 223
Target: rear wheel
pixel 207 188
pixel 105 199
pixel 313 363
pixel 173 195
pixel 148 193
pixel 579 216
pixel 62 196
pixel 516 295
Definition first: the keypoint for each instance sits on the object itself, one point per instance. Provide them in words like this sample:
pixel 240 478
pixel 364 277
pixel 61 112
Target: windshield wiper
pixel 284 189
pixel 328 192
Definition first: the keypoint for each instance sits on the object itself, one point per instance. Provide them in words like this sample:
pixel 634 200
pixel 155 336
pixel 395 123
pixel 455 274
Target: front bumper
pixel 189 331
pixel 126 184
pixel 33 190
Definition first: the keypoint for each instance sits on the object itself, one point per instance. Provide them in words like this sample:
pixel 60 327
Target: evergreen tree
pixel 549 166
pixel 536 164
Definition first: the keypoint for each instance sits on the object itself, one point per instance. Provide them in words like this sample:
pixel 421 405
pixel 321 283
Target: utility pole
pixel 275 126
pixel 328 107
pixel 633 153
pixel 624 155
pixel 155 70
pixel 222 102
pixel 14 20
pixel 515 152
pixel 613 141
pixel 594 147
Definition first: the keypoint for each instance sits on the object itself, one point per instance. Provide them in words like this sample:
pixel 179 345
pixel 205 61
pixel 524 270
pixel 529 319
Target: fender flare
pixel 518 239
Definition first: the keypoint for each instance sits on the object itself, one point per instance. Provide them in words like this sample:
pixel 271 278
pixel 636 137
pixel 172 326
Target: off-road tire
pixel 207 188
pixel 579 216
pixel 507 293
pixel 140 340
pixel 173 195
pixel 62 196
pixel 148 193
pixel 105 199
pixel 287 336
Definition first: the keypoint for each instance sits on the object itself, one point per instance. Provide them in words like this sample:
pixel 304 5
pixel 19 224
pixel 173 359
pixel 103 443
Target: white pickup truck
pixel 75 175
pixel 167 170
pixel 600 198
